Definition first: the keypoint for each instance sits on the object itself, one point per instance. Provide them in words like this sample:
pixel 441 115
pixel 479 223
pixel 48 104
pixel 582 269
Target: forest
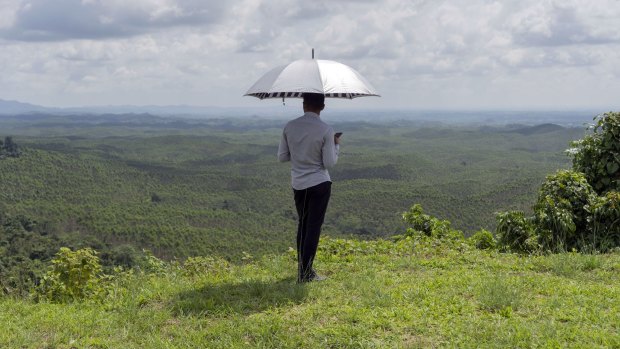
pixel 133 185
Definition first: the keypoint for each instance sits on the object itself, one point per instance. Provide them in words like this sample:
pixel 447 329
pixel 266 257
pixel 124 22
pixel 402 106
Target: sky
pixel 435 54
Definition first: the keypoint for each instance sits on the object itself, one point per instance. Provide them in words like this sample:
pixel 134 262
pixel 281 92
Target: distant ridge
pixel 15 107
pixel 538 129
pixel 266 110
pixel 277 111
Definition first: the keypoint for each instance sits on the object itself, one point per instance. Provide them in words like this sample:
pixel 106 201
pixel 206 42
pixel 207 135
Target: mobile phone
pixel 338 134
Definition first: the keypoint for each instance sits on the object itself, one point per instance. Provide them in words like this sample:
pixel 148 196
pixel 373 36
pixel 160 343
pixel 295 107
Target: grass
pixel 379 294
pixel 500 294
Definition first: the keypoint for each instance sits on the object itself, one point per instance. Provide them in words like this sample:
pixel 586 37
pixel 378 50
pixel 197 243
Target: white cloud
pixel 290 11
pixel 558 24
pixel 417 53
pixel 8 9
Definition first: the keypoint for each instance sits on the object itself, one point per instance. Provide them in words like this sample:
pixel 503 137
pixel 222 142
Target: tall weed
pixel 568 264
pixel 499 294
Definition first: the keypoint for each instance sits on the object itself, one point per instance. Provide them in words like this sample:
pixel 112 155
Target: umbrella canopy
pixel 333 79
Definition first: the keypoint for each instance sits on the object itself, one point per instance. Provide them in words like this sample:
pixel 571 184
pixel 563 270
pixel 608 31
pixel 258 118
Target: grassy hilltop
pixel 212 189
pixel 413 293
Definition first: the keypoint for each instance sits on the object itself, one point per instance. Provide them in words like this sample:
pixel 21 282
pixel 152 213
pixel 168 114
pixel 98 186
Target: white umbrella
pixel 333 79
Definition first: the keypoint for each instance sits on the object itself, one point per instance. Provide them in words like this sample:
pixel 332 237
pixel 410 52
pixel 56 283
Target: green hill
pixel 214 190
pixel 104 201
pixel 214 187
pixel 413 293
pixel 538 129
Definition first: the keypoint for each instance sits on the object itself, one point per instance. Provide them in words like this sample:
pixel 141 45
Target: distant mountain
pixel 538 129
pixel 15 107
pixel 271 111
pixel 148 109
pixel 275 111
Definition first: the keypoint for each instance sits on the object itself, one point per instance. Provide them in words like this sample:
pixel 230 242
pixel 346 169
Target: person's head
pixel 314 102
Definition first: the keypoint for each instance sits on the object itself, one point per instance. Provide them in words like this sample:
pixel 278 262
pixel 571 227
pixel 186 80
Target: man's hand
pixel 337 138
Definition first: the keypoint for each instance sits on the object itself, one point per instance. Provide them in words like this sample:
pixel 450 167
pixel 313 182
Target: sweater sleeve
pixel 330 150
pixel 284 153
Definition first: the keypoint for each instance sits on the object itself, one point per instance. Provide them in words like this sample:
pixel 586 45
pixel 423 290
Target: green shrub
pixel 429 225
pixel 605 221
pixel 25 250
pixel 569 214
pixel 561 214
pixel 515 232
pixel 151 264
pixel 74 275
pixel 418 220
pixel 124 255
pixel 483 240
pixel 598 154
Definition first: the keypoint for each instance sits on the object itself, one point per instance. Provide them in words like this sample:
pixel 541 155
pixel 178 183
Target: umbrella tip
pixel 313 53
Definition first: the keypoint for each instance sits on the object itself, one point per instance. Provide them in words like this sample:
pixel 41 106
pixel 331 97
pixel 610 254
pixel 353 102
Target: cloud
pixel 559 24
pixel 58 20
pixel 8 8
pixel 294 10
pixel 209 52
pixel 537 58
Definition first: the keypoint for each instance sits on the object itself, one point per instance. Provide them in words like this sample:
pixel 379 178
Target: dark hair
pixel 314 99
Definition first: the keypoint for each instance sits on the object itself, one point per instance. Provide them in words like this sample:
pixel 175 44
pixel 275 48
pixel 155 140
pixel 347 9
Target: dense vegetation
pixel 597 155
pixel 186 195
pixel 569 213
pixel 179 188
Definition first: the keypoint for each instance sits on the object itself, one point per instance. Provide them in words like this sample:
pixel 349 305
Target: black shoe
pixel 318 277
pixel 312 277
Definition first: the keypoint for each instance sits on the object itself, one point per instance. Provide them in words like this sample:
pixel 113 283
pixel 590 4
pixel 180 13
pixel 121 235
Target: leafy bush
pixel 74 275
pixel 483 240
pixel 151 264
pixel 569 214
pixel 420 222
pixel 598 154
pixel 429 225
pixel 515 232
pixel 124 255
pixel 560 213
pixel 605 221
pixel 24 251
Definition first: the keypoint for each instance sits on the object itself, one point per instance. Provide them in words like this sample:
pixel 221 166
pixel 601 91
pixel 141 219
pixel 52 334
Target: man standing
pixel 311 147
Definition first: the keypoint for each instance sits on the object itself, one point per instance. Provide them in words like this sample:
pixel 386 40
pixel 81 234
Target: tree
pixel 577 209
pixel 597 155
pixel 9 148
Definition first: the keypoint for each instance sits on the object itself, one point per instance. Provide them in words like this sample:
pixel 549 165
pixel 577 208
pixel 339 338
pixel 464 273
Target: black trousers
pixel 311 204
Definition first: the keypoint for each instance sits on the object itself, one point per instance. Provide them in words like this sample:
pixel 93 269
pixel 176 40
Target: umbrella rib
pixel 320 74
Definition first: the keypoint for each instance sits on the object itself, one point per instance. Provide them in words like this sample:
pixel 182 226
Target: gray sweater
pixel 308 143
